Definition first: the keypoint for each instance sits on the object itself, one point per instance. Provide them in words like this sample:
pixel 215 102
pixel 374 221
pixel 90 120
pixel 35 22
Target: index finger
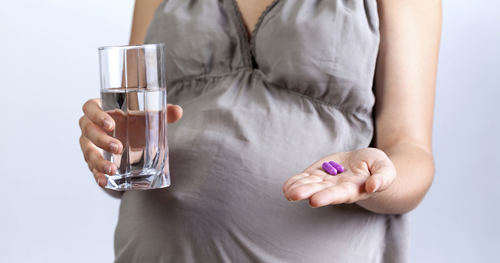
pixel 92 109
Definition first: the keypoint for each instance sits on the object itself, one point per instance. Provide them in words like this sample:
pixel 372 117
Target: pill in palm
pixel 329 168
pixel 337 166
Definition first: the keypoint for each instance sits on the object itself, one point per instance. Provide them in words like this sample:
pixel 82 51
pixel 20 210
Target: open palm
pixel 367 171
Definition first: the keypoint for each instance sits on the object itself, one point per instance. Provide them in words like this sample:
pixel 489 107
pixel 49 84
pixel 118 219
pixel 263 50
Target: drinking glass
pixel 133 93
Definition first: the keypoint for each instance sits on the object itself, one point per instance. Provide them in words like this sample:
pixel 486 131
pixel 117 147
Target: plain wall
pixel 459 219
pixel 52 211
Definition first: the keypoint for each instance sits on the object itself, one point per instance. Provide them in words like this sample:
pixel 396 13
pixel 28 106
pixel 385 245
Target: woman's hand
pixel 367 171
pixel 95 125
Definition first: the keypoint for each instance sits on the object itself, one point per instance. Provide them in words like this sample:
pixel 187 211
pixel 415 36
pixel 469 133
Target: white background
pixel 52 211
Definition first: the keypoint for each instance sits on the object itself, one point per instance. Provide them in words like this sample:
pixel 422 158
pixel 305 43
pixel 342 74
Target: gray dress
pixel 255 113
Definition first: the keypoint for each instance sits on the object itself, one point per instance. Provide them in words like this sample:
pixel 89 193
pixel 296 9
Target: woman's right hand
pixel 95 124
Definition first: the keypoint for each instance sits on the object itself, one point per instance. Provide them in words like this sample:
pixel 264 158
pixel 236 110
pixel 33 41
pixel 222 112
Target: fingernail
pixel 114 147
pixel 98 179
pixel 377 187
pixel 107 124
pixel 107 168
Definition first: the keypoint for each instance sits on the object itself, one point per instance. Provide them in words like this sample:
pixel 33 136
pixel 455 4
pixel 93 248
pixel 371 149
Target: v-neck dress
pixel 256 112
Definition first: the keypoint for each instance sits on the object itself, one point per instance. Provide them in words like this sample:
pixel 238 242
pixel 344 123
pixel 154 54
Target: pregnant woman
pixel 270 90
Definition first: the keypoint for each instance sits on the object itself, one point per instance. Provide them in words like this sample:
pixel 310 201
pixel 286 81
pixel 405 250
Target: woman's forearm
pixel 405 81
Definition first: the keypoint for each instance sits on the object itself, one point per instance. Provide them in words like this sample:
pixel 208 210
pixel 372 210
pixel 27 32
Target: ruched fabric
pixel 256 112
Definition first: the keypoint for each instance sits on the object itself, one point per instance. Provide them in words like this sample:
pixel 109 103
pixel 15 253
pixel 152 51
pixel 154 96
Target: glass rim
pixel 127 47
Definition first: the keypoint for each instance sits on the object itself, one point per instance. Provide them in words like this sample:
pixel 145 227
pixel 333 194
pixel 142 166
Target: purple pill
pixel 329 168
pixel 337 166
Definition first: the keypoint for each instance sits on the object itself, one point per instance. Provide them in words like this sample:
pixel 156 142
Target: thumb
pixel 174 113
pixel 383 174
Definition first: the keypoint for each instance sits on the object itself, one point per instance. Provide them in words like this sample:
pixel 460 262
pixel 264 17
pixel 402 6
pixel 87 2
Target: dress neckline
pixel 259 19
pixel 248 42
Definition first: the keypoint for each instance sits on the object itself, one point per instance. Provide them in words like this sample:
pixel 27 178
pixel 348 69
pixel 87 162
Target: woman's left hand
pixel 367 171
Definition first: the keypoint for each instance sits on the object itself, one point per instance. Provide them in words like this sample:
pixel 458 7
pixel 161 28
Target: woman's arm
pixel 404 87
pixel 394 178
pixel 143 13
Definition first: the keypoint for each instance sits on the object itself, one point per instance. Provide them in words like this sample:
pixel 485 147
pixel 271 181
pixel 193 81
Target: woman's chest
pixel 325 50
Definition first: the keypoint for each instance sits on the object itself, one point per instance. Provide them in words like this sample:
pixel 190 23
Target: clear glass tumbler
pixel 133 92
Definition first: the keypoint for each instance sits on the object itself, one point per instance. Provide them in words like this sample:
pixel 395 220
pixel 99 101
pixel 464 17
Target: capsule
pixel 337 166
pixel 329 168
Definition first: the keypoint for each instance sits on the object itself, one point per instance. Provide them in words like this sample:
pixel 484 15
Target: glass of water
pixel 133 93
